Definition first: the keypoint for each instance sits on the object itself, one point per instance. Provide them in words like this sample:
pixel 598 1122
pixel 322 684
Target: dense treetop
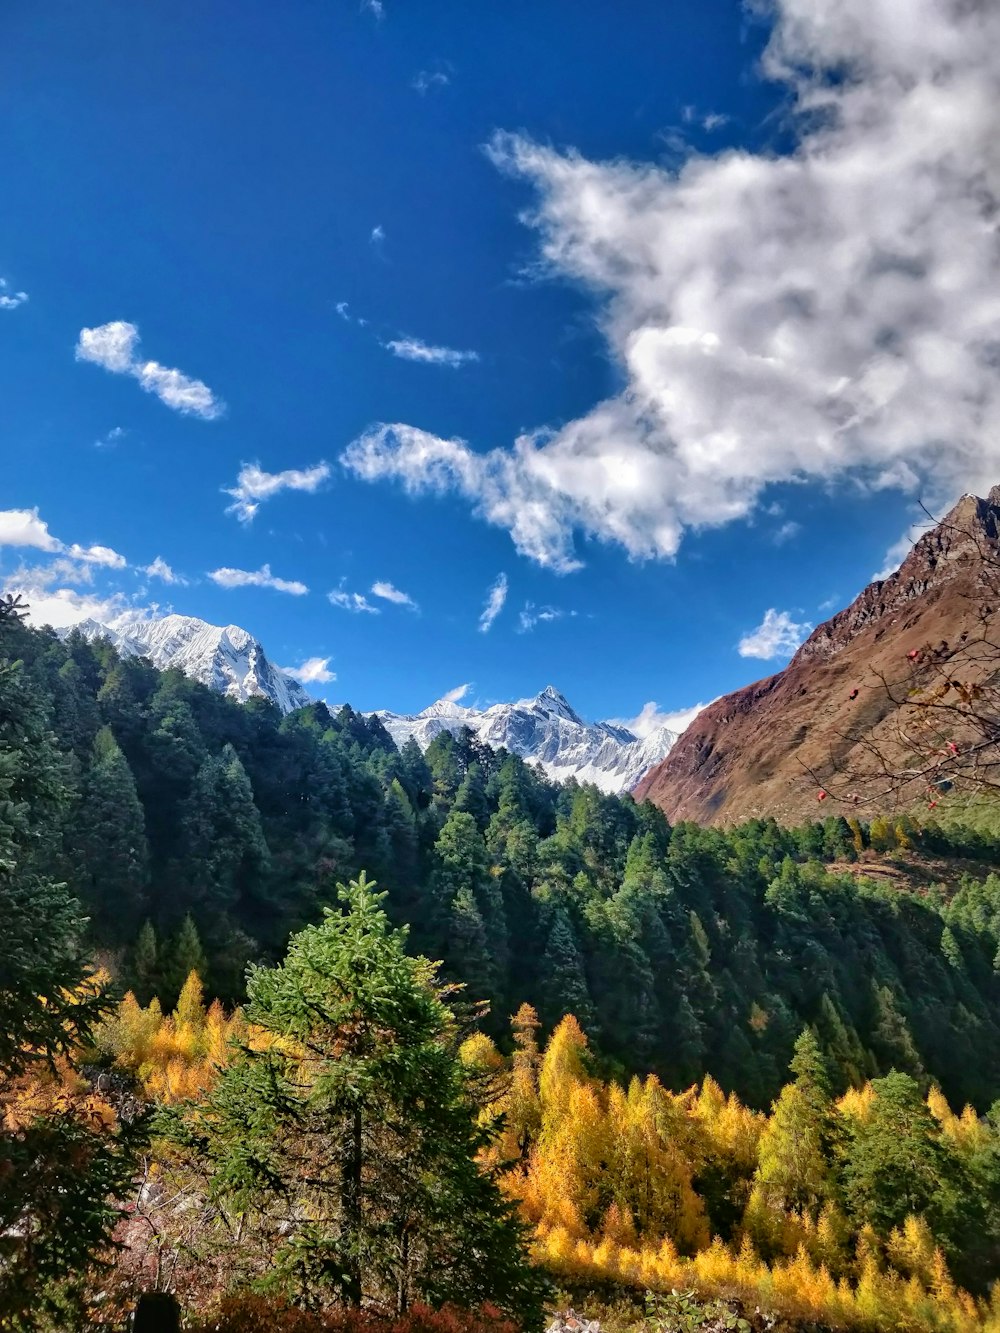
pixel 199 833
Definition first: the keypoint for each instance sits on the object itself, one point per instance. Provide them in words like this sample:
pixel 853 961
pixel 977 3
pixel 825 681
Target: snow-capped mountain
pixel 546 731
pixel 223 657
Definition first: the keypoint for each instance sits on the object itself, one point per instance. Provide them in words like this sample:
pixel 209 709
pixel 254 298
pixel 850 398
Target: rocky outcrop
pixel 759 751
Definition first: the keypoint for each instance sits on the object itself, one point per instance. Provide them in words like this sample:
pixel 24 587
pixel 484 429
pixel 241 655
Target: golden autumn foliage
pixel 626 1185
pixel 173 1056
pixel 611 1178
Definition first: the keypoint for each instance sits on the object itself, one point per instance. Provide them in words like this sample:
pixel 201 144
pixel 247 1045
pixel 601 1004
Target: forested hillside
pixel 199 833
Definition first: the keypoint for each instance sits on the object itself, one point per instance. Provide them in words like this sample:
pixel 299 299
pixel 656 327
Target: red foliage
pixel 260 1314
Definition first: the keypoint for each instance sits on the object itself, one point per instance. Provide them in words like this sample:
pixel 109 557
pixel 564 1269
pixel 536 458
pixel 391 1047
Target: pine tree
pixel 563 983
pixel 225 862
pixel 144 964
pixel 361 1112
pixel 897 1163
pixel 183 956
pixel 60 1175
pixel 110 844
pixel 794 1170
pixel 471 797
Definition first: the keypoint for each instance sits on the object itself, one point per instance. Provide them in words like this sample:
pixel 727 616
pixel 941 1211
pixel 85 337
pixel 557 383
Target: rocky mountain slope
pixel 547 731
pixel 771 747
pixel 223 657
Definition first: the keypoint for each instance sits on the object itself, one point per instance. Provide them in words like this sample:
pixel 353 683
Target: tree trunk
pixel 352 1210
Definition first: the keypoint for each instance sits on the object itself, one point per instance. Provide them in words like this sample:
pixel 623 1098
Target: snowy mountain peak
pixel 224 657
pixel 555 704
pixel 545 730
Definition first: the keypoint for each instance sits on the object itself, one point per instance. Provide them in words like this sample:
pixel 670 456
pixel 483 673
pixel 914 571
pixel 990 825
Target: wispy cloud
pixel 9 299
pixel 414 349
pixel 710 120
pixel 377 236
pixel 389 593
pixel 495 599
pixel 428 79
pixel 256 578
pixel 351 601
pixel 313 671
pixel 786 532
pixel 533 615
pixel 777 635
pixel 253 485
pixel 114 436
pixel 114 347
pixel 159 569
pixel 375 7
pixel 459 692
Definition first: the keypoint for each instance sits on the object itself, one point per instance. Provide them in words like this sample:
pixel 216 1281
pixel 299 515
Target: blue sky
pixel 618 306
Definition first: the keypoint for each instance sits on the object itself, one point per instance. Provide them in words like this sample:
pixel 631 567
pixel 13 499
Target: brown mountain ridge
pixel 771 748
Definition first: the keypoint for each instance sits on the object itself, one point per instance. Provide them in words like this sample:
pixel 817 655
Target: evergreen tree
pixel 897 1163
pixel 110 843
pixel 563 983
pixel 144 966
pixel 361 1113
pixel 225 862
pixel 59 1175
pixel 183 956
pixel 793 1170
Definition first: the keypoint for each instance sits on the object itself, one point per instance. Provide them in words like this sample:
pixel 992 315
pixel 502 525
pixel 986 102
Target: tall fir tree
pixel 361 1112
pixel 110 844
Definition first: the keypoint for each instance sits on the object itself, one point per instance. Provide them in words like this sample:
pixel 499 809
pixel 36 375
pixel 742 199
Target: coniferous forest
pixel 738 1061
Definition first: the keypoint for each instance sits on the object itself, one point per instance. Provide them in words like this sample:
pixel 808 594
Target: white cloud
pixel 413 349
pixel 651 719
pixel 427 79
pixel 388 593
pixel 714 120
pixel 97 555
pixel 375 7
pixel 159 569
pixel 341 309
pixel 257 578
pixel 831 312
pixel 64 607
pixel 777 635
pixel 495 599
pixel 459 692
pixel 786 532
pixel 9 299
pixel 114 347
pixel 313 671
pixel 377 234
pixel 23 527
pixel 254 485
pixel 533 615
pixel 112 438
pixel 352 601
